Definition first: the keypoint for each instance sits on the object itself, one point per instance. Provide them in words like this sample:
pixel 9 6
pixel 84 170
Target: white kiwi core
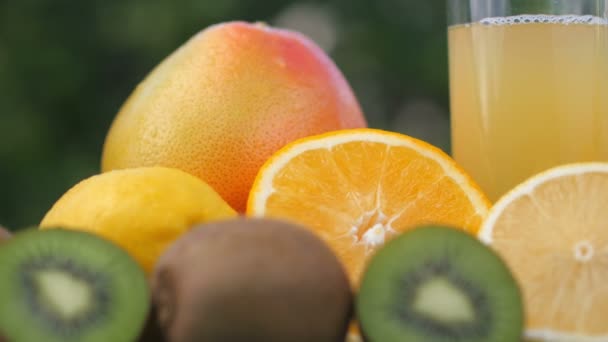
pixel 439 299
pixel 64 293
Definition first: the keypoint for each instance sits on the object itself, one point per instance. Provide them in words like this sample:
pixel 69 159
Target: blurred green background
pixel 67 66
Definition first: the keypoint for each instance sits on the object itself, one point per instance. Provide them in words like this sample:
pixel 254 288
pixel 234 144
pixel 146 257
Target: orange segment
pixel 357 188
pixel 551 230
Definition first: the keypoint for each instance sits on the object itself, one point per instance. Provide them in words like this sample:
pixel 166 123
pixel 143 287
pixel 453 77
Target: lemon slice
pixel 552 230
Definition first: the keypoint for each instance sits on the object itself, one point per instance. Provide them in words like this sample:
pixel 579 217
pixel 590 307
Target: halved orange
pixel 552 230
pixel 357 188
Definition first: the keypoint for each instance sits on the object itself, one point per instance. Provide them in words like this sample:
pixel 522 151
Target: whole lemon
pixel 142 210
pixel 225 101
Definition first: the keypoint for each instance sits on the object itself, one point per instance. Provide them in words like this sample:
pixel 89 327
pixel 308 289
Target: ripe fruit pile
pixel 243 199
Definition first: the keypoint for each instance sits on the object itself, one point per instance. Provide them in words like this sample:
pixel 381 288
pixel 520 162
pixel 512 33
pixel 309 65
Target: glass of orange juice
pixel 528 86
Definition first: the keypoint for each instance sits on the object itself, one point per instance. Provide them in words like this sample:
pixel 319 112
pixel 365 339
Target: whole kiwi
pixel 251 280
pixel 4 235
pixel 151 331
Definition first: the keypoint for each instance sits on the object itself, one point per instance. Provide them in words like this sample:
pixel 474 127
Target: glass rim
pixel 472 11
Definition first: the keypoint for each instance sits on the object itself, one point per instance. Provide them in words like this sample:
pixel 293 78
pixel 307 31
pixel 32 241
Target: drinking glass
pixel 528 86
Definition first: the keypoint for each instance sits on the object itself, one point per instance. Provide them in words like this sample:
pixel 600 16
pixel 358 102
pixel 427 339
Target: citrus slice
pixel 357 188
pixel 551 230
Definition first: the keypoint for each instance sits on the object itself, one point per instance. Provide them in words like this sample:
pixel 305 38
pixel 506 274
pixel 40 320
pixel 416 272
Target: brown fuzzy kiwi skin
pixel 252 279
pixel 4 235
pixel 151 331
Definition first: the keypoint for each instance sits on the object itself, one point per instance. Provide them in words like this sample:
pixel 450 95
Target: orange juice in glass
pixel 528 87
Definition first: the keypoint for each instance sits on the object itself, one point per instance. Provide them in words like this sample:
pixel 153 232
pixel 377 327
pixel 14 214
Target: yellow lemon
pixel 142 209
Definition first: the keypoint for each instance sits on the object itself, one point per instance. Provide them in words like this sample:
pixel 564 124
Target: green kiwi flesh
pixel 439 284
pixel 66 285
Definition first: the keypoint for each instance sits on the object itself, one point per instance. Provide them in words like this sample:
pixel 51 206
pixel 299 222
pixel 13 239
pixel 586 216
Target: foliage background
pixel 66 66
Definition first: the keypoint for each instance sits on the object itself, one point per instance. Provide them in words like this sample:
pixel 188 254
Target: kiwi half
pixel 64 285
pixel 439 284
